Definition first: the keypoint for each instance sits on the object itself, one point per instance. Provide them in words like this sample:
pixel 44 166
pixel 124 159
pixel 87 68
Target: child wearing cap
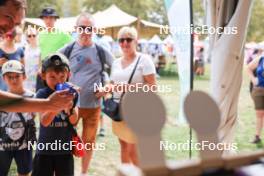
pixel 54 126
pixel 16 129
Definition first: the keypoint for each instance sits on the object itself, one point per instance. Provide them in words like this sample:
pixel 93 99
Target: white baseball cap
pixel 13 66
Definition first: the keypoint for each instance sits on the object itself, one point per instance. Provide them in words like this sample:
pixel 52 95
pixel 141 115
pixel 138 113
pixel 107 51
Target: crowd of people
pixel 33 64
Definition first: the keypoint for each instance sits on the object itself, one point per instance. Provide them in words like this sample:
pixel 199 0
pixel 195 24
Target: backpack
pixel 101 55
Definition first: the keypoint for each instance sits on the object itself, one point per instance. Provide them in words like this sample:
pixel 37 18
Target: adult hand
pixel 60 100
pixel 103 91
pixel 100 94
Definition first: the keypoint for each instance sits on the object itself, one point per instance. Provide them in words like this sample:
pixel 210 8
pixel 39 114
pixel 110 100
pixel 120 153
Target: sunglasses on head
pixel 128 40
pixel 85 29
pixel 10 34
pixel 33 36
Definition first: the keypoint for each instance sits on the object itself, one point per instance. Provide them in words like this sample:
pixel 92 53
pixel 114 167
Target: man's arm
pixel 55 102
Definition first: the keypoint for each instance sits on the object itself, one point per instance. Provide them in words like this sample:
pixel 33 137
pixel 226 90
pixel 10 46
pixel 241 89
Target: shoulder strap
pixel 102 57
pixel 133 72
pixel 131 76
pixel 69 49
pixel 71 127
pixel 101 53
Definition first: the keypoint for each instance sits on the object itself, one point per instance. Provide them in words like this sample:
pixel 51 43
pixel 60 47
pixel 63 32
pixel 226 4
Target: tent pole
pixel 191 71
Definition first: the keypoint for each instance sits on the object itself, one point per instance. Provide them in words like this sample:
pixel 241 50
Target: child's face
pixel 14 81
pixel 53 78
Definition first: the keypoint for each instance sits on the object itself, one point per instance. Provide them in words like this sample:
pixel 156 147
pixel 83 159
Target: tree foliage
pixel 255 30
pixel 34 7
pixel 63 7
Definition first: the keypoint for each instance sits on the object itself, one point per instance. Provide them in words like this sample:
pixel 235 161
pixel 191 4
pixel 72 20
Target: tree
pixel 198 12
pixel 63 7
pixel 255 31
pixel 34 7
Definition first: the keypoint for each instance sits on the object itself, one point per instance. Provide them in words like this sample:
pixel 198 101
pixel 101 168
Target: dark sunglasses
pixel 85 29
pixel 128 40
pixel 29 36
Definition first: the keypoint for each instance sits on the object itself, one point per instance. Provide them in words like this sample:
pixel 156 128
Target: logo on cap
pixel 49 10
pixel 10 65
pixel 57 62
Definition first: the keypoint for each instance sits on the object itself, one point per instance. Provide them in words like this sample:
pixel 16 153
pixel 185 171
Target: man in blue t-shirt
pixel 86 72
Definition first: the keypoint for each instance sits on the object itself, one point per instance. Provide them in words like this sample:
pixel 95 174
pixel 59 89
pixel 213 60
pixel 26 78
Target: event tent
pixel 155 40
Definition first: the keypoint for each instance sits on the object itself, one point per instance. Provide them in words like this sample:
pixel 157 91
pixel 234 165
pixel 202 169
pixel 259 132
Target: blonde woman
pixel 120 73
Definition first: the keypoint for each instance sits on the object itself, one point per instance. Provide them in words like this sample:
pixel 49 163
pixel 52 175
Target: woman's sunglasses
pixel 128 40
pixel 31 36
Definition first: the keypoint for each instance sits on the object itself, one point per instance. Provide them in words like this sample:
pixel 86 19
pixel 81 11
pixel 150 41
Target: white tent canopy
pixel 155 40
pixel 113 17
pixel 143 41
pixel 168 40
pixel 150 24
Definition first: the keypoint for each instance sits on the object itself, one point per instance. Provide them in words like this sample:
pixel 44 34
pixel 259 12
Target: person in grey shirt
pixel 86 69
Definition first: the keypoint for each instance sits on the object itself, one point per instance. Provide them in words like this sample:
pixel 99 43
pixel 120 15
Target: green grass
pixel 105 162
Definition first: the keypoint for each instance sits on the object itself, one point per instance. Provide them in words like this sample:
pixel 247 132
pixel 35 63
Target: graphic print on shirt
pixel 59 121
pixel 12 131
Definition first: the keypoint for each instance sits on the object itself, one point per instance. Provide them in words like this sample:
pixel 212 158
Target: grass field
pixel 104 163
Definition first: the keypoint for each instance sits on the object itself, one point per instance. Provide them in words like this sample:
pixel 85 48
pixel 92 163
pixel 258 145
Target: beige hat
pixel 13 66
